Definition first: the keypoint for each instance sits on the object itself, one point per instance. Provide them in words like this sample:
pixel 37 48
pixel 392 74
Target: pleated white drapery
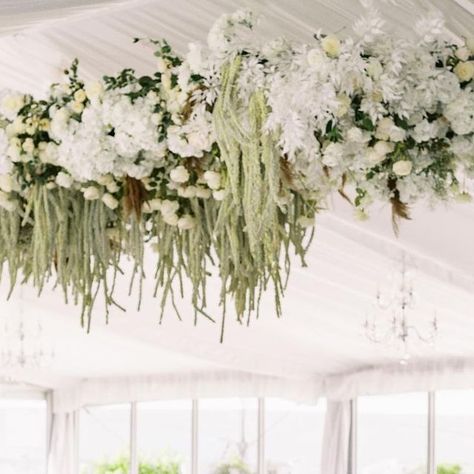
pixel 62 456
pixel 337 438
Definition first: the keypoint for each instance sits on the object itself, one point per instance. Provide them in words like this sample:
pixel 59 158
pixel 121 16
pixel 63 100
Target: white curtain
pixel 337 438
pixel 62 456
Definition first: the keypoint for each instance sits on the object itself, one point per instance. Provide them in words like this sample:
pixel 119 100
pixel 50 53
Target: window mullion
pixel 431 468
pixel 261 436
pixel 133 439
pixel 194 437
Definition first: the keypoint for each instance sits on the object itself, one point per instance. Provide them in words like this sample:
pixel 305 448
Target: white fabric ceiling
pixel 326 303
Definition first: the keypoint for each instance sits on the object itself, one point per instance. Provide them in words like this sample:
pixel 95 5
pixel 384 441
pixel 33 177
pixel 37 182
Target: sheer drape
pixel 337 438
pixel 62 456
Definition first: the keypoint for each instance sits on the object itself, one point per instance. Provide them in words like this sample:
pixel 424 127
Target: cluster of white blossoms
pixel 386 118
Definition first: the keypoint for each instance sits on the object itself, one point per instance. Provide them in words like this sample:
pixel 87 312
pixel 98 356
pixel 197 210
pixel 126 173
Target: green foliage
pixel 121 466
pixel 449 469
pixel 235 465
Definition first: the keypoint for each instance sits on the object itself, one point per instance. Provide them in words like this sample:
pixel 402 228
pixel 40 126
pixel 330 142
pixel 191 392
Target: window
pixel 104 441
pixel 392 434
pixel 164 434
pixel 455 431
pixel 23 436
pixel 228 435
pixel 293 437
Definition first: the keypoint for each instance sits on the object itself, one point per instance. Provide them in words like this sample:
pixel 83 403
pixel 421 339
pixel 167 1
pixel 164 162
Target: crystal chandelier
pixel 22 345
pixel 393 323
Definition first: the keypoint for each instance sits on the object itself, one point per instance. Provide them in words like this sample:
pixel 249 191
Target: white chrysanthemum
pixel 460 113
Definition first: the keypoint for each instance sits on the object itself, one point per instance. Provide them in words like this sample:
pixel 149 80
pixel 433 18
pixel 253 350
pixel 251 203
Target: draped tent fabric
pixel 62 455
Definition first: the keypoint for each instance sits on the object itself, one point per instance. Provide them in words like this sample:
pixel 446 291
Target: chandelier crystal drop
pixel 22 343
pixel 395 320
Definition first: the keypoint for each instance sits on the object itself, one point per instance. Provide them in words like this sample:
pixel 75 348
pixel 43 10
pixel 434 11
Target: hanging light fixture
pixel 22 344
pixel 394 321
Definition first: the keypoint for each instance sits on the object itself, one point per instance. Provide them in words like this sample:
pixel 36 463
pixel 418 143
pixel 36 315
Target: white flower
pixel 203 193
pixel 463 53
pixel 305 221
pixel 316 58
pixel 213 179
pixel 344 105
pixel 161 64
pixel 8 183
pixel 219 195
pixel 168 207
pixel 387 130
pixel 384 148
pixel 194 57
pixel 80 95
pixel 374 69
pixel 152 205
pixel 402 167
pixel 64 180
pixel 425 131
pixel 110 201
pixel 11 104
pixel 333 154
pixel 76 107
pixel 179 174
pixel 91 193
pixel 331 45
pixel 356 135
pixel 94 90
pixel 28 146
pixel 373 157
pixel 186 222
pixel 171 219
pixel 187 192
pixel 105 179
pixel 464 71
pixel 6 203
pixel 112 187
pixel 470 44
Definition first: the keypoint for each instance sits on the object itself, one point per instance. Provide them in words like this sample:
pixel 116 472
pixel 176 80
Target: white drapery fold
pixel 337 438
pixel 185 386
pixel 62 456
pixel 397 378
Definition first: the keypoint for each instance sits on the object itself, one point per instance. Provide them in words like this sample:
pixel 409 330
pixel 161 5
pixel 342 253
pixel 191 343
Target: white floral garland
pixel 227 154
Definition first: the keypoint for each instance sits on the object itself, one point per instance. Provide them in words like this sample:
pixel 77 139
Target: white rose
pixel 402 167
pixel 91 193
pixel 315 58
pixel 462 53
pixel 179 174
pixel 7 183
pixel 212 179
pixel 305 221
pixel 152 205
pixel 219 195
pixel 203 193
pixel 64 180
pixel 384 148
pixel 397 134
pixel 374 69
pixel 199 140
pixel 61 115
pixel 11 105
pixel 470 44
pixel 374 158
pixel 169 207
pixel 171 219
pixel 464 71
pixel 80 95
pixel 331 45
pixel 186 222
pixel 76 107
pixel 94 90
pixel 110 201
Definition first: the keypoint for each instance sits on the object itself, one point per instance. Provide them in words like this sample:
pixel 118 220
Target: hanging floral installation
pixel 220 160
